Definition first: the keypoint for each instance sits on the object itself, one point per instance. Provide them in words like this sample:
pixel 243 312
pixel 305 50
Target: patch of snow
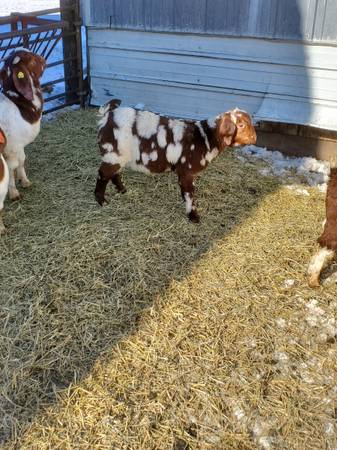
pixel 251 342
pixel 322 187
pixel 260 433
pixel 314 312
pixel 281 357
pixel 314 172
pixel 329 428
pixel 298 190
pixel 289 283
pixel 317 318
pixel 239 414
pixel 24 6
pixel 140 106
pixel 281 323
pixel 265 442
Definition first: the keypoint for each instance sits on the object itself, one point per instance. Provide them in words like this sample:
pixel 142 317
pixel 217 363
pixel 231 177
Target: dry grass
pixel 129 328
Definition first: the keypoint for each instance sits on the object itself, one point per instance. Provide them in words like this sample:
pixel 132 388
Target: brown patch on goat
pixel 2 148
pixel 3 141
pixel 2 170
pixel 329 236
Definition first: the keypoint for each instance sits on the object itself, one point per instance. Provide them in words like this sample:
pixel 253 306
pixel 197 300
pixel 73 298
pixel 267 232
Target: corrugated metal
pixel 310 20
pixel 197 76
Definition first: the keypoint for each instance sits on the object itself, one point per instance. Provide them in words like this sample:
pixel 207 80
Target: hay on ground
pixel 126 327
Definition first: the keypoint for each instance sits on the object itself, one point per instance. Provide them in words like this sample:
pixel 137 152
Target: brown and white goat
pixel 328 240
pixel 21 104
pixel 150 143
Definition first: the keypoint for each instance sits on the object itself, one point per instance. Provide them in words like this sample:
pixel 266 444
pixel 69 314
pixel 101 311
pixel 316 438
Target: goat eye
pixel 241 125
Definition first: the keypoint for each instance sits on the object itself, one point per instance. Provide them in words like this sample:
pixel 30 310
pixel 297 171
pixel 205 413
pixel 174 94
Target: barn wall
pixel 198 76
pixel 193 58
pixel 309 20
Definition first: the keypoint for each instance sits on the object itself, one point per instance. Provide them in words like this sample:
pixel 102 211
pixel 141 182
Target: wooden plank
pixel 159 14
pixel 330 21
pixel 228 16
pixel 282 19
pixel 189 15
pixel 297 20
pixel 194 103
pixel 234 49
pixel 253 17
pixel 70 49
pixel 102 13
pixel 257 77
pixel 174 101
pixel 129 14
pixel 300 146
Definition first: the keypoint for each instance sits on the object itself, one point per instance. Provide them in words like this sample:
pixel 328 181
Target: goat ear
pixel 227 130
pixel 23 82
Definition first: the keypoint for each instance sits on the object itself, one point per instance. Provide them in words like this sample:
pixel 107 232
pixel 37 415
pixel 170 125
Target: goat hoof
pixel 313 282
pixel 14 196
pixel 101 199
pixel 194 217
pixel 26 183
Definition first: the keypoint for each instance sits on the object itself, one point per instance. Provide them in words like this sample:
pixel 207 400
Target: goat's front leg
pixel 186 182
pixel 21 172
pixel 107 172
pixel 323 257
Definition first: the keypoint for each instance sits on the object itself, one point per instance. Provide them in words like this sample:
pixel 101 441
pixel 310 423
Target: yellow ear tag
pixel 21 75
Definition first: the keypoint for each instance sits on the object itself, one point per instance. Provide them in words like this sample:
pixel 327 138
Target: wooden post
pixel 73 70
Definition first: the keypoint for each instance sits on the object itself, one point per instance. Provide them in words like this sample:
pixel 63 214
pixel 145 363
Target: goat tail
pixel 110 106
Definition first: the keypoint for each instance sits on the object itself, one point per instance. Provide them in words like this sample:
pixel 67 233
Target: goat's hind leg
pixel 107 172
pixel 320 260
pixel 117 181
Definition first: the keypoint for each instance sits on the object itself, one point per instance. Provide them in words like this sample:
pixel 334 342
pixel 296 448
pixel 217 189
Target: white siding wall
pixel 197 76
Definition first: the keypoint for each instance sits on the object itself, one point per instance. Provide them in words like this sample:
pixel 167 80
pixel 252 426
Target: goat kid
pixel 21 104
pixel 150 143
pixel 328 240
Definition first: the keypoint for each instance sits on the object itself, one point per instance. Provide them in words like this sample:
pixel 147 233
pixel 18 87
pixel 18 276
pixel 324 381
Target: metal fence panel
pixel 41 35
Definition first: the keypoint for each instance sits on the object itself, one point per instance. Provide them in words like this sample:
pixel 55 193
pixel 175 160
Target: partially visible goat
pixel 150 143
pixel 21 104
pixel 4 178
pixel 328 240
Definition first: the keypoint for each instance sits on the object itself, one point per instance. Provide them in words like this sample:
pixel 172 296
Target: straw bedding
pixel 126 327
